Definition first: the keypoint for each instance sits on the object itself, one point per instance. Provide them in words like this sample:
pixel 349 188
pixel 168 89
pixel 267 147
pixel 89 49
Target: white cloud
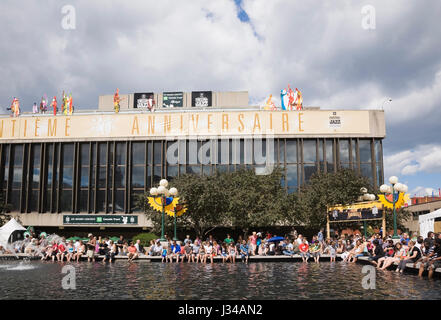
pixel 425 158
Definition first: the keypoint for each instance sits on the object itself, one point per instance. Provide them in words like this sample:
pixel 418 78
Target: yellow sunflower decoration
pixel 387 200
pixel 180 210
pixel 155 203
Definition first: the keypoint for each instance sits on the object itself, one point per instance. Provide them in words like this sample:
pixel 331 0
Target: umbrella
pixel 275 239
pixel 114 239
pixel 73 238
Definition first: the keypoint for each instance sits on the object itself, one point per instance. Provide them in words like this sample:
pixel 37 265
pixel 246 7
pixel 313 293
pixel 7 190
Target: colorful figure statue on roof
pixel 70 103
pixel 283 99
pixel 54 105
pixel 15 107
pixel 291 98
pixel 269 104
pixel 299 100
pixel 43 104
pixel 116 101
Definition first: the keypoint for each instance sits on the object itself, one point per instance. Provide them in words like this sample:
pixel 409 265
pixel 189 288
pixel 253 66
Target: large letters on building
pixel 183 125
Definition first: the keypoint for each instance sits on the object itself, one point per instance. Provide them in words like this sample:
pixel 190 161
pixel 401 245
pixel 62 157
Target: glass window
pixel 36 154
pixel 172 171
pixel 121 153
pixel 138 152
pixel 18 154
pixel 320 150
pixel 157 152
pixel 100 198
pixel 102 177
pixel 291 175
pixel 378 150
pixel 82 206
pixel 309 151
pixel 354 151
pixel 68 154
pixel 84 150
pixel 379 176
pixel 67 178
pixel 206 170
pixel 310 169
pixel 366 170
pixel 35 178
pixel 16 178
pixel 222 168
pixel 138 177
pixel 102 153
pixel 291 151
pixel 194 169
pixel 84 177
pixel 5 154
pixel 134 200
pixel 329 151
pixel 157 175
pixel 33 201
pixel 344 150
pixel 120 175
pixel 365 150
pixel 119 200
pixel 66 200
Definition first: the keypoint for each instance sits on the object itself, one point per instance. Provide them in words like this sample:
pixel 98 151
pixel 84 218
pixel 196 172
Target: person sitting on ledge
pixel 288 248
pixel 244 251
pixel 175 251
pixel 315 251
pixel 377 252
pixel 432 261
pixel 70 251
pixel 413 255
pixel 80 251
pixel 133 253
pixel 232 252
pixel 304 250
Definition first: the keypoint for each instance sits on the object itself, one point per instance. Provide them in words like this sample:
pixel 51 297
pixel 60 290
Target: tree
pixel 256 200
pixel 4 208
pixel 326 189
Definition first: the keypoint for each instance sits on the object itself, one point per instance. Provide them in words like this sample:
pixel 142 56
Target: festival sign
pixel 100 219
pixel 356 211
pixel 144 100
pixel 184 124
pixel 172 99
pixel 201 99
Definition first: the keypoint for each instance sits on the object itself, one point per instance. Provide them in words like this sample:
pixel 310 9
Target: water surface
pixel 261 280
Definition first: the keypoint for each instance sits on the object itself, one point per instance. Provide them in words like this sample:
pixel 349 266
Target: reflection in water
pixel 152 281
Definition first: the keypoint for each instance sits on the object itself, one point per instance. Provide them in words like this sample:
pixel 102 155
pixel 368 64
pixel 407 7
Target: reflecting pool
pixel 262 280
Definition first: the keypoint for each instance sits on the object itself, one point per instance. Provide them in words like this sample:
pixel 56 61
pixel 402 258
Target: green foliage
pixel 326 189
pixel 4 208
pixel 239 199
pixel 145 238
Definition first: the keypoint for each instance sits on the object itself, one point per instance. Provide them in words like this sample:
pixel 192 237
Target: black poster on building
pixel 172 99
pixel 144 100
pixel 358 211
pixel 201 99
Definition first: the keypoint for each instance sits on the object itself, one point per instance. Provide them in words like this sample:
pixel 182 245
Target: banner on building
pixel 100 219
pixel 144 100
pixel 172 99
pixel 357 211
pixel 201 98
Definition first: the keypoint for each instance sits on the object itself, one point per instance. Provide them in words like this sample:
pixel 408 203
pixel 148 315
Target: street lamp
pixel 163 193
pixel 366 197
pixel 395 189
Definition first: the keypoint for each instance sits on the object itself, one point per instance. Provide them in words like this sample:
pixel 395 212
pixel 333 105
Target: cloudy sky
pixel 322 47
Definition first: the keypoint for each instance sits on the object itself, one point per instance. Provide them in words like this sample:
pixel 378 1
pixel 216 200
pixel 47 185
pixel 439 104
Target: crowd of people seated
pixel 384 252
